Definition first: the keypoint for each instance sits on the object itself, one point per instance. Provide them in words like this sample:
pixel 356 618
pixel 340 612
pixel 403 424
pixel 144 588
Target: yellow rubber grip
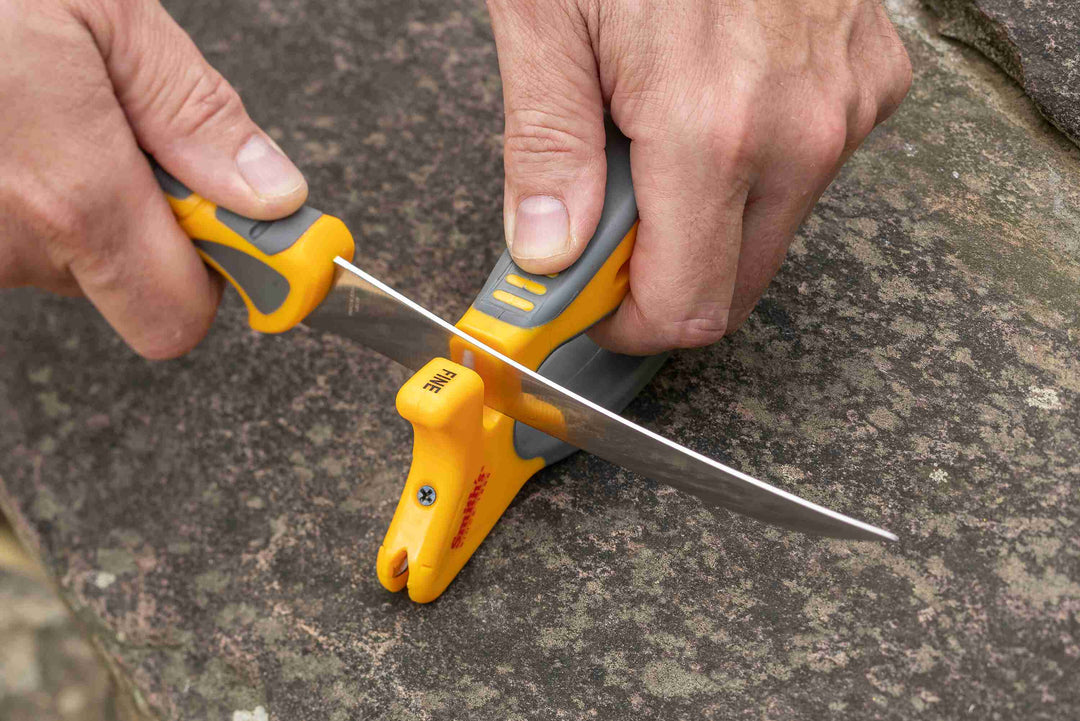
pixel 282 269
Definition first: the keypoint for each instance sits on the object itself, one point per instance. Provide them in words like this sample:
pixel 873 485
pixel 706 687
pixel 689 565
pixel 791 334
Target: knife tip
pixel 879 534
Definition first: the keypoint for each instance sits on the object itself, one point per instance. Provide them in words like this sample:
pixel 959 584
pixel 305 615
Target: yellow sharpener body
pixel 282 269
pixel 465 467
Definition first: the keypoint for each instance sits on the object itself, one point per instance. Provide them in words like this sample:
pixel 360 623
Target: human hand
pixel 85 84
pixel 739 112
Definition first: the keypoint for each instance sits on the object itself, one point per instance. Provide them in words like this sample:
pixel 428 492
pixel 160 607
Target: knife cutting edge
pixel 585 424
pixel 520 352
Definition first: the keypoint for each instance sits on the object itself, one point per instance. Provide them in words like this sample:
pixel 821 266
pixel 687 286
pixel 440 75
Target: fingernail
pixel 266 169
pixel 541 228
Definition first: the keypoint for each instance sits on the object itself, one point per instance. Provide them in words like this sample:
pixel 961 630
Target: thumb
pixel 554 136
pixel 186 115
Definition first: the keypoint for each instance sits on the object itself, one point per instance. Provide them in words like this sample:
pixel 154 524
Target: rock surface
pixel 1037 43
pixel 214 520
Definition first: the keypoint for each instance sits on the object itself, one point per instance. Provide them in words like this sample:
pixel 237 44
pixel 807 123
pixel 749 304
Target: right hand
pixel 86 84
pixel 739 115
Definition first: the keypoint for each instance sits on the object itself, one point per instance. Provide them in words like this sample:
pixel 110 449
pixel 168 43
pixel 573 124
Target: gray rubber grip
pixel 267 288
pixel 269 236
pixel 616 220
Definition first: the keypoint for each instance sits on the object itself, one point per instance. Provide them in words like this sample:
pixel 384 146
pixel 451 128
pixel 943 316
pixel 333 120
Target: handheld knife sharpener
pixel 469 461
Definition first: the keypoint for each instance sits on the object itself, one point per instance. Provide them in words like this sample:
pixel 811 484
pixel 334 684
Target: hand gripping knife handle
pixel 469 461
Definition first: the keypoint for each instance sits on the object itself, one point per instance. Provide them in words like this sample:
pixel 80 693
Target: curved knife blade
pixel 362 308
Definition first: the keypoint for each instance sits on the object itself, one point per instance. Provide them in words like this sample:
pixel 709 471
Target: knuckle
pixel 71 224
pixel 905 74
pixel 172 342
pixel 694 327
pixel 863 118
pixel 57 218
pixel 98 265
pixel 899 82
pixel 825 136
pixel 536 137
pixel 897 57
pixel 699 332
pixel 860 104
pixel 893 73
pixel 731 143
pixel 210 102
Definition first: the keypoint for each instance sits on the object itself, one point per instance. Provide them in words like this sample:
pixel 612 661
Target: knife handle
pixel 281 268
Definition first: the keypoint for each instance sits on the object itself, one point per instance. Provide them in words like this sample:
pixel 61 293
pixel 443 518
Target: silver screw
pixel 426 495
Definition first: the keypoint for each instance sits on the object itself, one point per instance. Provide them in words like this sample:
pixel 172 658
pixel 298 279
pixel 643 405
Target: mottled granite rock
pixel 1037 43
pixel 214 520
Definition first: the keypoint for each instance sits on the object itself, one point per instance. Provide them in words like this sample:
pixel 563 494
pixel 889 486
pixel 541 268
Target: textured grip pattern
pixel 616 220
pixel 282 268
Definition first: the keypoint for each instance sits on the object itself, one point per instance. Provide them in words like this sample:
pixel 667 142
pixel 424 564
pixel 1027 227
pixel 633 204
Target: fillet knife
pixel 562 387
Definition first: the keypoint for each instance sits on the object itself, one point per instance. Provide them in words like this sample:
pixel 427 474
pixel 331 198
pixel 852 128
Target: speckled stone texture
pixel 1037 42
pixel 214 520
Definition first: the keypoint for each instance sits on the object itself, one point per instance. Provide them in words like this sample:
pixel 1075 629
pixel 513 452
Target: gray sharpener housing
pixel 608 379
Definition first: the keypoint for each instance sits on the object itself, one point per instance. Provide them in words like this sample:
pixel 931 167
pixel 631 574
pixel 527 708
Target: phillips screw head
pixel 426 495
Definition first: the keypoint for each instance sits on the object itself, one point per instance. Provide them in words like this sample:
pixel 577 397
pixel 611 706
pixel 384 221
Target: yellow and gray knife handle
pixel 569 303
pixel 282 268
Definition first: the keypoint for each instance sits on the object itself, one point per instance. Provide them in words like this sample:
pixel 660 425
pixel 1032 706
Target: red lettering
pixel 470 508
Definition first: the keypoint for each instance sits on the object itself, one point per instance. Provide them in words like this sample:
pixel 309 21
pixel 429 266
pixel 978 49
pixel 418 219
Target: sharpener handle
pixel 282 268
pixel 527 300
pixel 541 320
